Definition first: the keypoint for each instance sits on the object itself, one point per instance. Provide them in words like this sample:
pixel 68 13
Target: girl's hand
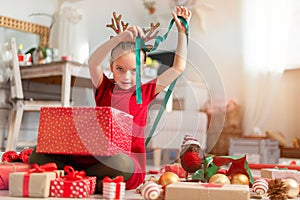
pixel 131 33
pixel 183 12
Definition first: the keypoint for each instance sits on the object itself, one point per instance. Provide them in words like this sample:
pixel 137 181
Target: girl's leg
pixel 117 165
pixel 59 160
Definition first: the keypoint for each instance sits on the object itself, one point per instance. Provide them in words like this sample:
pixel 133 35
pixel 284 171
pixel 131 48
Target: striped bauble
pixel 150 190
pixel 260 186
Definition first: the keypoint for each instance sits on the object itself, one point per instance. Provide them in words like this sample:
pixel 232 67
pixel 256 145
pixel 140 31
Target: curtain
pixel 70 33
pixel 265 43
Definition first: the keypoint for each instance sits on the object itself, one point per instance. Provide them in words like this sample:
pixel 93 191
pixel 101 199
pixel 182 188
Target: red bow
pixel 72 174
pixel 49 167
pixel 117 179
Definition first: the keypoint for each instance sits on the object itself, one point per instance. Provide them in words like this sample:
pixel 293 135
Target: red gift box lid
pixel 84 131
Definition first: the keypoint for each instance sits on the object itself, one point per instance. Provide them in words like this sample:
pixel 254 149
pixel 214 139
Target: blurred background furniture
pixel 171 130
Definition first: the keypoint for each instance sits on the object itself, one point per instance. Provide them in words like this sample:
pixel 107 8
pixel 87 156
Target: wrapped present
pixel 100 131
pixel 280 174
pixel 33 183
pixel 114 188
pixel 197 191
pixel 7 168
pixel 175 168
pixel 74 185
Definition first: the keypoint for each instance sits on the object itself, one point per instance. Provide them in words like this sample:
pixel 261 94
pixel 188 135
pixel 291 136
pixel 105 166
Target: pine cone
pixel 277 190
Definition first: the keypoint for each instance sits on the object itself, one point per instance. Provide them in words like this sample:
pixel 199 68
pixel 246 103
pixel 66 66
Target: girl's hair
pixel 123 48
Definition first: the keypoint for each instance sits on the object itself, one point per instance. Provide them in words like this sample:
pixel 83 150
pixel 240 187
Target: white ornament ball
pixel 150 190
pixel 292 187
pixel 260 186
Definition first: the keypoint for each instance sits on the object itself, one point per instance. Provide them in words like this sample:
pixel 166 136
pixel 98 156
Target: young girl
pixel 120 94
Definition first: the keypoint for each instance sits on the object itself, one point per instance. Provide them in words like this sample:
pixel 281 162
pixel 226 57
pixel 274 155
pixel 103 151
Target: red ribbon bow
pixel 49 167
pixel 117 179
pixel 72 174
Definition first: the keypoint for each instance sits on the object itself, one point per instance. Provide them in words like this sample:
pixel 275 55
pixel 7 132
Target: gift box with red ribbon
pixel 33 183
pixel 114 188
pixel 100 131
pixel 175 168
pixel 7 168
pixel 74 185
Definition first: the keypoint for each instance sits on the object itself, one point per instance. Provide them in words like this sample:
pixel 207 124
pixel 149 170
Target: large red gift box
pixel 100 131
pixel 7 168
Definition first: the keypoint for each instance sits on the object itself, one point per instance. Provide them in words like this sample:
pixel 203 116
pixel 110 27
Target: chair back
pixel 15 76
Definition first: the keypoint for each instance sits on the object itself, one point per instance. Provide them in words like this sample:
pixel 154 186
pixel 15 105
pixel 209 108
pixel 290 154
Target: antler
pixel 149 32
pixel 116 23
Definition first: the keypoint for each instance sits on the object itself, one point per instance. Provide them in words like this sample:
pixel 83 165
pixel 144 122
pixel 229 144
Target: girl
pixel 120 94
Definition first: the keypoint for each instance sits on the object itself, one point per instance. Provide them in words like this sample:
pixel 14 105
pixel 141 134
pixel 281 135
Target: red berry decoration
pixel 190 161
pixel 24 154
pixel 10 156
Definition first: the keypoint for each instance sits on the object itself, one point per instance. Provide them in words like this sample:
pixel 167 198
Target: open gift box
pixel 100 131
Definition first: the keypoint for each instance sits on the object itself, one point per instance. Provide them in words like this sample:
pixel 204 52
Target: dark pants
pixel 112 166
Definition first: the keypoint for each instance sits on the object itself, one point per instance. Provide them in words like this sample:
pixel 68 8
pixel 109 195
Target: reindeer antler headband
pixel 116 25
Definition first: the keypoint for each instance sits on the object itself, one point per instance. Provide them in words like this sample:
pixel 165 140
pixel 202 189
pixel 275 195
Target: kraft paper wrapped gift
pixel 33 183
pixel 198 191
pixel 74 185
pixel 7 168
pixel 22 184
pixel 280 173
pixel 102 131
pixel 114 188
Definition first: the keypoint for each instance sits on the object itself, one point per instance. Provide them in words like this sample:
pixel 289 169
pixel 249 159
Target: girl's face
pixel 124 70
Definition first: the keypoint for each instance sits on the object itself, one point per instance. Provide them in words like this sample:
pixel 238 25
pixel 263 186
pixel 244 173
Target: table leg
pixel 66 86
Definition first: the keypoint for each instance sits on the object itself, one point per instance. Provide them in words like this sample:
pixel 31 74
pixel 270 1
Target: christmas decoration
pixel 24 154
pixel 150 190
pixel 10 156
pixel 277 190
pixel 168 178
pixel 260 186
pixel 190 154
pixel 240 179
pixel 292 187
pixel 219 179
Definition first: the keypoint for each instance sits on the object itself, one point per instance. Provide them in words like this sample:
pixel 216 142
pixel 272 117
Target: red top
pixel 110 94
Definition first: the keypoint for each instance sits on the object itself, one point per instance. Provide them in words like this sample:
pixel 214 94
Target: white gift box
pixel 113 190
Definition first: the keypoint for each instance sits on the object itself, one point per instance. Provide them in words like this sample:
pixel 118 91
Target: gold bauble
pixel 240 179
pixel 168 178
pixel 219 179
pixel 292 187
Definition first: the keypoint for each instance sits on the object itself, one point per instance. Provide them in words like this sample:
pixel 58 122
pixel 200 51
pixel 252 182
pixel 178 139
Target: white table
pixel 66 73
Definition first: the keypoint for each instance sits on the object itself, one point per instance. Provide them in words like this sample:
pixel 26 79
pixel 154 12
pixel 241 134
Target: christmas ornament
pixel 240 179
pixel 190 154
pixel 10 156
pixel 150 190
pixel 219 179
pixel 25 154
pixel 168 178
pixel 277 190
pixel 292 187
pixel 260 186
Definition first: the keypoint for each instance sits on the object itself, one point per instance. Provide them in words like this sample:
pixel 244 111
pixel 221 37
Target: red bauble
pixel 24 154
pixel 190 161
pixel 10 156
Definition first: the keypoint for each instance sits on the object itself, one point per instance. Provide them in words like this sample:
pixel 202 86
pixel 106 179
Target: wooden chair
pixel 18 103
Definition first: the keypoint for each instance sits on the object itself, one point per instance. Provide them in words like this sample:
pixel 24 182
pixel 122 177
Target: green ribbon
pixel 139 44
pixel 211 168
